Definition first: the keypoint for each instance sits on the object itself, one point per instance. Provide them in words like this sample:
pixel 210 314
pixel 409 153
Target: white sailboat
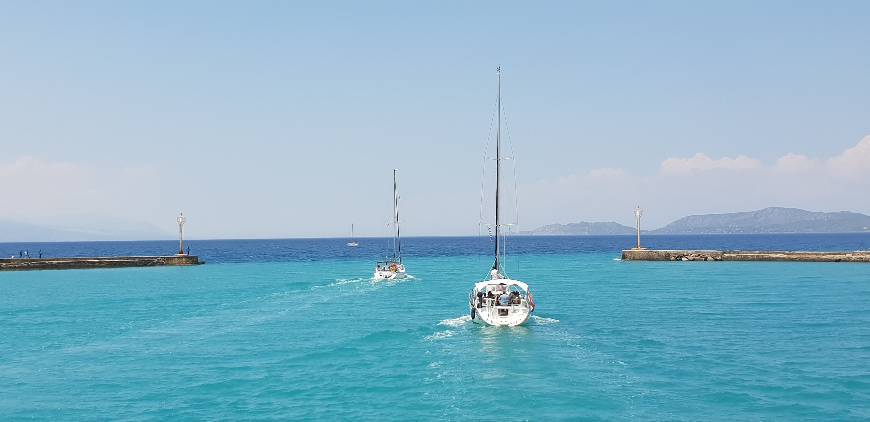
pixel 392 268
pixel 500 300
pixel 353 243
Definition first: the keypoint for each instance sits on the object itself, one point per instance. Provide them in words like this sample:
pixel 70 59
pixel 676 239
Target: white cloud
pixel 701 184
pixel 795 163
pixel 853 162
pixel 701 162
pixel 606 173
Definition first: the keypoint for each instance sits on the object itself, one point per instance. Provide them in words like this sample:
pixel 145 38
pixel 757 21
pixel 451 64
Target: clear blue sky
pixel 273 119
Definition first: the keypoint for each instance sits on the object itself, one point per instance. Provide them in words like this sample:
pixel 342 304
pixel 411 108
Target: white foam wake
pixel 339 282
pixel 456 322
pixel 544 320
pixel 342 282
pixel 374 280
pixel 439 335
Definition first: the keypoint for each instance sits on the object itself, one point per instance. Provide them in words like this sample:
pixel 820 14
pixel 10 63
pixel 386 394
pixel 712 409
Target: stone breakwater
pixel 22 264
pixel 705 255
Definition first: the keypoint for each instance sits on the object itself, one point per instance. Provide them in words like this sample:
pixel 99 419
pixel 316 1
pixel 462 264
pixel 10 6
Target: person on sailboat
pixel 504 299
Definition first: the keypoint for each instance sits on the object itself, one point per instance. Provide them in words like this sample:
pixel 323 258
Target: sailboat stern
pixel 389 270
pixel 501 302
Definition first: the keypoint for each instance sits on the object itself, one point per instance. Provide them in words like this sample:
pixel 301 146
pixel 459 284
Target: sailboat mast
pixel 497 265
pixel 397 242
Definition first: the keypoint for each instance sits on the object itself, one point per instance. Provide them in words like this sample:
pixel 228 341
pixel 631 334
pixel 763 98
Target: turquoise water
pixel 317 340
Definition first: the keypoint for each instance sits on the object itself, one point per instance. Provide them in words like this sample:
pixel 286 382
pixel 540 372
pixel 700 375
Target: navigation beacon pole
pixel 181 220
pixel 637 213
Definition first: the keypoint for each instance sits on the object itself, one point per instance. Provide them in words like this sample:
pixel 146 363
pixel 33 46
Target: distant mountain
pixel 769 220
pixel 582 228
pixel 109 229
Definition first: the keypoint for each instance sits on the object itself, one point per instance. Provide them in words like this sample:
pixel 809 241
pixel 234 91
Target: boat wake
pixel 343 281
pixel 340 282
pixel 440 335
pixel 374 280
pixel 544 320
pixel 456 322
pixel 465 319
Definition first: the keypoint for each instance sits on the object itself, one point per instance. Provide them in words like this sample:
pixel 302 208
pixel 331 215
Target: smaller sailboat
pixel 392 268
pixel 353 243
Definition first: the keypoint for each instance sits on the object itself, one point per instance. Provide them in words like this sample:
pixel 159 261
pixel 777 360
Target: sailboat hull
pixel 388 275
pixel 507 316
pixel 389 271
pixel 500 302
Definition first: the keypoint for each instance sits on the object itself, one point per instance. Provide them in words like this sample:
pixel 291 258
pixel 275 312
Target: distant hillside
pixel 13 231
pixel 582 228
pixel 769 220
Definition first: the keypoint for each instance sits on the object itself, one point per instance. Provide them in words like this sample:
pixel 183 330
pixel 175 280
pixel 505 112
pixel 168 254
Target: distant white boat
pixel 392 268
pixel 500 300
pixel 353 243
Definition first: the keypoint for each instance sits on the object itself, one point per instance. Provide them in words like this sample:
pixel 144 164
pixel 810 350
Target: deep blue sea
pixel 295 329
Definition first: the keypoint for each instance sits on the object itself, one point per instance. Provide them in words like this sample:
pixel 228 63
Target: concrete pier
pixel 709 255
pixel 21 264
